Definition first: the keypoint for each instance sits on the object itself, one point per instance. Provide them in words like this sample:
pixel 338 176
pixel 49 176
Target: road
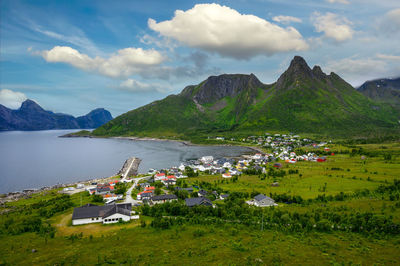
pixel 128 198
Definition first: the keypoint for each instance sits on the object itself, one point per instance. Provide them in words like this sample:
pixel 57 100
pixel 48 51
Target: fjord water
pixel 33 159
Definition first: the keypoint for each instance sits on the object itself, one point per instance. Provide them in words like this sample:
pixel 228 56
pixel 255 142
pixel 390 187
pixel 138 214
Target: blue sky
pixel 74 56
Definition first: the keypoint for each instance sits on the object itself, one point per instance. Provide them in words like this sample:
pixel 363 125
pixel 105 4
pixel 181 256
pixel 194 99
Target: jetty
pixel 130 168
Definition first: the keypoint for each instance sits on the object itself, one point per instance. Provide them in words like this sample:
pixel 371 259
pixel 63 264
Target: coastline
pixel 187 143
pixel 25 193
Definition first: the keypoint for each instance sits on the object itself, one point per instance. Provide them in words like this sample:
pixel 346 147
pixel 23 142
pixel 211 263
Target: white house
pixel 106 214
pixel 159 177
pixel 207 159
pixel 262 201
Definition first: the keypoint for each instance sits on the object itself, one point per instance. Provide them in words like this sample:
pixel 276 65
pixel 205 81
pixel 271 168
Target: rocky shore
pixel 27 193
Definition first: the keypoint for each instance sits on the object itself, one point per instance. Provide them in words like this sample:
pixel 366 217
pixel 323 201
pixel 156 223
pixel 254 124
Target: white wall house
pixel 116 217
pixel 106 214
pixel 87 221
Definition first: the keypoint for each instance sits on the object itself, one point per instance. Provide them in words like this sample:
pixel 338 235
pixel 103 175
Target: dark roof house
pixel 202 193
pixel 89 211
pixel 263 201
pixel 163 198
pixel 190 202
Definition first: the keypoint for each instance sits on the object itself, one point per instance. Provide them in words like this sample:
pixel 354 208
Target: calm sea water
pixel 33 159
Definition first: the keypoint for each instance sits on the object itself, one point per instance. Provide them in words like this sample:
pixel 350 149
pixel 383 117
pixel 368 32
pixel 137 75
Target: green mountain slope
pixel 302 100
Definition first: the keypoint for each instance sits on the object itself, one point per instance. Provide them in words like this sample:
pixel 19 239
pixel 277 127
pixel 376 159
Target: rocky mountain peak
pixel 215 88
pixel 317 72
pixel 297 70
pixel 29 105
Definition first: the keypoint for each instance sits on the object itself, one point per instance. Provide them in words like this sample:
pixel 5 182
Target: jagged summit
pixel 302 100
pixel 30 105
pixel 297 70
pixel 215 88
pixel 318 73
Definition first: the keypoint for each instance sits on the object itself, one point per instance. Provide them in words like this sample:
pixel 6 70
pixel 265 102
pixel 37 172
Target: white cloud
pixel 345 2
pixel 225 31
pixel 11 99
pixel 390 22
pixel 388 57
pixel 137 86
pixel 125 62
pixel 333 26
pixel 358 70
pixel 286 19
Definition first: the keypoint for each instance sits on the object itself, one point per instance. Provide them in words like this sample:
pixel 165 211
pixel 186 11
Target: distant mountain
pixel 30 116
pixel 383 90
pixel 302 100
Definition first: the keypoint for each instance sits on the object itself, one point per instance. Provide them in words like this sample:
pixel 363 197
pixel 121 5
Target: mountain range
pixel 30 116
pixel 302 100
pixel 383 90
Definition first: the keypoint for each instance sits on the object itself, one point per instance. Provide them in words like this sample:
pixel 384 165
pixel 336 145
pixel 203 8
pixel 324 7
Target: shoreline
pixel 28 191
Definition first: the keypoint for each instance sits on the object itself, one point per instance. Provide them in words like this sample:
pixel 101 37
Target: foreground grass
pixel 200 245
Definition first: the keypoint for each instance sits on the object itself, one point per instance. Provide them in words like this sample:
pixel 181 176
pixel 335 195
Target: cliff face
pixel 31 116
pixel 218 87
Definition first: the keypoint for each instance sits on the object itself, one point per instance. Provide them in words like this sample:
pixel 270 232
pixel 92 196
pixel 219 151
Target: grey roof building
pixel 90 213
pixel 190 202
pixel 263 201
pixel 202 193
pixel 163 198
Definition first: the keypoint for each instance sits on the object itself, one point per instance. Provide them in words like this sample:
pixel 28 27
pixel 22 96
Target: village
pixel 167 185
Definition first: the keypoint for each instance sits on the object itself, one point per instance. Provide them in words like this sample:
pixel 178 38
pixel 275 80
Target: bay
pixel 34 159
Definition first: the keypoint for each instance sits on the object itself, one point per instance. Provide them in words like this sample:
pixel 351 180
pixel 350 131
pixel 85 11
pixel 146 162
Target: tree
pixel 158 191
pixel 97 198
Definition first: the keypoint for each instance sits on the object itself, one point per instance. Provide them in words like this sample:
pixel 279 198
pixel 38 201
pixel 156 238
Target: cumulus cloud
pixel 11 99
pixel 125 62
pixel 286 19
pixel 223 30
pixel 137 86
pixel 333 26
pixel 345 2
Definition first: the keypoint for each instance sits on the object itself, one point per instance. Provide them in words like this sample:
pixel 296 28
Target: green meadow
pixel 238 235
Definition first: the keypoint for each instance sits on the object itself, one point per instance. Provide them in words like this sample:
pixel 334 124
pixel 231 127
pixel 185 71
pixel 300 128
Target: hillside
pixel 30 116
pixel 383 90
pixel 302 100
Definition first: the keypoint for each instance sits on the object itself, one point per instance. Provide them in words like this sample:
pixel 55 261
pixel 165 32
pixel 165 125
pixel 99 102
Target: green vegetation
pixel 301 101
pixel 342 211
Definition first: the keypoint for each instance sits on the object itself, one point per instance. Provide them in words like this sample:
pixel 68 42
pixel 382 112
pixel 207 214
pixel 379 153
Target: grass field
pixel 230 243
pixel 216 245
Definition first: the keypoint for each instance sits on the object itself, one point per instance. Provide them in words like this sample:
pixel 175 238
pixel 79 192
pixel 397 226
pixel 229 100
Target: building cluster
pixel 282 150
pixel 105 190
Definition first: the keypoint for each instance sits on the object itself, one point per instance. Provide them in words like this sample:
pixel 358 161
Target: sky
pixel 74 56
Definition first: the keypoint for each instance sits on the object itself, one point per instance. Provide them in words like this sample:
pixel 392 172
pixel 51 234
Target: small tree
pixel 97 198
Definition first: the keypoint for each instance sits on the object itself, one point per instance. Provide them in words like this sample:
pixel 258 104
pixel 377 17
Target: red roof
pixel 160 174
pixel 150 188
pixel 171 177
